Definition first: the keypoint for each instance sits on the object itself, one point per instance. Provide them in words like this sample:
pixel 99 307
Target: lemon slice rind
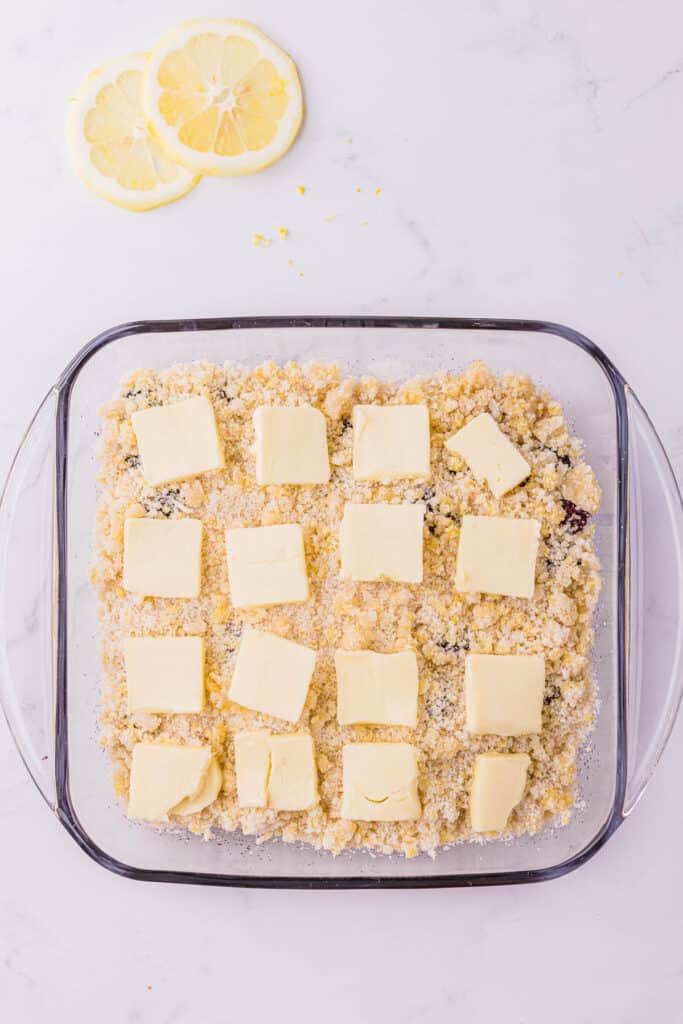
pixel 252 160
pixel 105 186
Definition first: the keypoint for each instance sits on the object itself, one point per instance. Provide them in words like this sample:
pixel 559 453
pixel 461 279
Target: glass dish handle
pixel 26 598
pixel 655 580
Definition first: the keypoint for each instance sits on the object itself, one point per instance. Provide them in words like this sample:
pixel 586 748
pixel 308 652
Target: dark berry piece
pixel 221 395
pixel 429 498
pixel 553 693
pixel 453 648
pixel 165 502
pixel 575 518
pixel 564 459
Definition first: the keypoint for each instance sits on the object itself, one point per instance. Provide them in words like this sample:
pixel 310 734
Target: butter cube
pixel 293 783
pixel 377 689
pixel 177 441
pixel 276 771
pixel 497 556
pixel 291 445
pixel 167 778
pixel 498 786
pixel 504 693
pixel 252 768
pixel 390 441
pixel 491 456
pixel 380 782
pixel 164 674
pixel 205 795
pixel 379 540
pixel 162 557
pixel 272 675
pixel 266 565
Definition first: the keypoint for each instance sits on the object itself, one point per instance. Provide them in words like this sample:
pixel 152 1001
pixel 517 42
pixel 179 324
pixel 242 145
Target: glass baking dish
pixel 49 654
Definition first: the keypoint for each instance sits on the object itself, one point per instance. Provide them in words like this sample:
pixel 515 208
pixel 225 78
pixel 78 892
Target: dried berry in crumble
pixel 553 693
pixel 453 648
pixel 221 395
pixel 575 518
pixel 561 457
pixel 165 502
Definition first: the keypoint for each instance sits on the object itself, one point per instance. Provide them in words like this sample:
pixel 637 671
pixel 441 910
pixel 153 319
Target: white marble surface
pixel 530 157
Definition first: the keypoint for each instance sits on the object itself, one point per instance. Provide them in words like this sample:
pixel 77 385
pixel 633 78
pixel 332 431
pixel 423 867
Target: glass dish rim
pixel 64 807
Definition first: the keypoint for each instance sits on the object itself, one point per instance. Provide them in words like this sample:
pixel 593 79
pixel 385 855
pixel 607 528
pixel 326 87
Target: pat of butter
pixel 293 783
pixel 504 693
pixel 206 794
pixel 376 689
pixel 491 456
pixel 167 778
pixel 380 540
pixel 291 445
pixel 390 441
pixel 252 768
pixel 276 771
pixel 272 675
pixel 380 782
pixel 497 556
pixel 498 786
pixel 266 565
pixel 177 441
pixel 162 557
pixel 164 674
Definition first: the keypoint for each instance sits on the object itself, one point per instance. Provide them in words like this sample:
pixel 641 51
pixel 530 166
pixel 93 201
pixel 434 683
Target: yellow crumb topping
pixel 439 623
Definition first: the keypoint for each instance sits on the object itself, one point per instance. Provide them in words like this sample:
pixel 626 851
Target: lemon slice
pixel 115 154
pixel 221 97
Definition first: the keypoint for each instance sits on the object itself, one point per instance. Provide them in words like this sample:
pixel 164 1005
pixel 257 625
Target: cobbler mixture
pixel 439 623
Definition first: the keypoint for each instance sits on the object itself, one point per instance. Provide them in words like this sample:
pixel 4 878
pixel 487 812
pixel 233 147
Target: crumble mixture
pixel 432 617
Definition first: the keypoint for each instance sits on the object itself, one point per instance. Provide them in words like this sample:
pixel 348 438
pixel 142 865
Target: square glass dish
pixel 49 645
